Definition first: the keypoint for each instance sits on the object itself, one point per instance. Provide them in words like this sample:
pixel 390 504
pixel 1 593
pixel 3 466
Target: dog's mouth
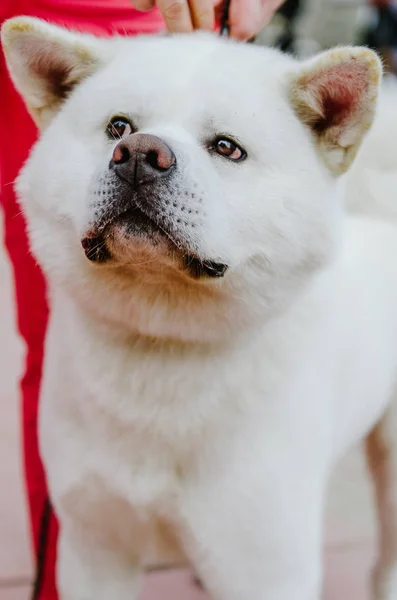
pixel 137 223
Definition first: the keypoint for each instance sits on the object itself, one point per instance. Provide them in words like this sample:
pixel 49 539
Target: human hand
pixel 246 17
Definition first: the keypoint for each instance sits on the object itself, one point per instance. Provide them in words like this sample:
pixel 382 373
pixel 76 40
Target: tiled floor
pixel 349 528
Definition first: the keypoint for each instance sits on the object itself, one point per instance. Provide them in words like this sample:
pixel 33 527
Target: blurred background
pixel 302 27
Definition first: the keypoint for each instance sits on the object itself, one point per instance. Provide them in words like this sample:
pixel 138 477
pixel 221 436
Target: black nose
pixel 142 158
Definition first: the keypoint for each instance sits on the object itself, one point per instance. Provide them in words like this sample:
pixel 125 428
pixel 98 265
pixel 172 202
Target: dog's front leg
pixel 88 570
pixel 257 534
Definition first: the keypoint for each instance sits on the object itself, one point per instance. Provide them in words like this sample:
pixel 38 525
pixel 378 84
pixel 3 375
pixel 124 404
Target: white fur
pixel 184 420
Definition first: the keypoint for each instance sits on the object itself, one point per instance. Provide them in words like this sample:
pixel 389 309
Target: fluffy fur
pixel 198 419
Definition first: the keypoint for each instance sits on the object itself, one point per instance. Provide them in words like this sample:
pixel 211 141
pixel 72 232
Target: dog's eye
pixel 229 149
pixel 118 127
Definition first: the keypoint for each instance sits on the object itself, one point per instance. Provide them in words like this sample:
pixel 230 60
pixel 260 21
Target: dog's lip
pixel 209 268
pixel 94 239
pixel 95 248
pixel 101 230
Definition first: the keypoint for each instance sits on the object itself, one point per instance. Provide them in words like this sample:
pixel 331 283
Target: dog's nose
pixel 142 158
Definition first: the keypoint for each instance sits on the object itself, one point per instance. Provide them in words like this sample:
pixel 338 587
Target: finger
pixel 269 8
pixel 244 16
pixel 248 17
pixel 203 14
pixel 176 14
pixel 143 5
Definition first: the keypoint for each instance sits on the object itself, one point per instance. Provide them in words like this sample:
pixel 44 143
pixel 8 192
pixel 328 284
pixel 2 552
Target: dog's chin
pixel 136 240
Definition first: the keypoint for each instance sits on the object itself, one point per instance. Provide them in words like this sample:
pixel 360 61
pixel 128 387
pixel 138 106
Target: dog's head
pixel 183 185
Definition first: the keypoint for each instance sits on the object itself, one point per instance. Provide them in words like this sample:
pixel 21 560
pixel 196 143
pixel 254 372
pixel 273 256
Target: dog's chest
pixel 141 419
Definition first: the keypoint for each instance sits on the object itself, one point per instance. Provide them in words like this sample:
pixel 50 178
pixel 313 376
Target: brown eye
pixel 118 127
pixel 229 149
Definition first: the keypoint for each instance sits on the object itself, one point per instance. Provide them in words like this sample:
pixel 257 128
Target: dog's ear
pixel 46 62
pixel 335 95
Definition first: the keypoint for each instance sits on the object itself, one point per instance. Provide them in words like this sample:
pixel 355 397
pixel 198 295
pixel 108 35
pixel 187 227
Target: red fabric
pixel 17 134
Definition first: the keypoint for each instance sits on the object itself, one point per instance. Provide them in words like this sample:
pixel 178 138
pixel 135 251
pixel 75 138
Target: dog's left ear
pixel 46 62
pixel 335 95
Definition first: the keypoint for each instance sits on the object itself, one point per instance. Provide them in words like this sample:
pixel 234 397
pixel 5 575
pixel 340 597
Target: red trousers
pixel 17 134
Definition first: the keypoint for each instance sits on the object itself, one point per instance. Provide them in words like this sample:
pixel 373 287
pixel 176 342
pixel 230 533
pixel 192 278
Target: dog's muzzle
pixel 142 164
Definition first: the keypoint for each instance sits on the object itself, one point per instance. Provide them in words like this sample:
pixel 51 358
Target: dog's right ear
pixel 46 62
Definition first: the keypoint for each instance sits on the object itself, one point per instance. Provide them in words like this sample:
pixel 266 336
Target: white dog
pixel 221 332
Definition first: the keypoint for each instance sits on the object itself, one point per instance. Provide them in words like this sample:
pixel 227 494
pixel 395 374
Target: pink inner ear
pixel 52 66
pixel 340 90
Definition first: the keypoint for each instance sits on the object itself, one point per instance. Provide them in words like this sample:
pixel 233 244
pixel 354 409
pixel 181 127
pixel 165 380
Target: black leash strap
pixel 42 550
pixel 224 25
